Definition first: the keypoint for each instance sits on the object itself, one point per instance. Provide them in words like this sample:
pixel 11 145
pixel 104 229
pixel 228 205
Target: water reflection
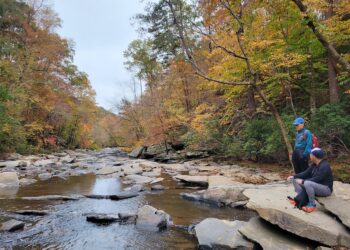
pixel 66 227
pixel 106 186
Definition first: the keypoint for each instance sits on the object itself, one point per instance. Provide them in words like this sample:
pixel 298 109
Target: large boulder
pixel 215 233
pixel 9 179
pixel 193 180
pixel 137 152
pixel 271 237
pixel 272 205
pixel 151 219
pixel 339 202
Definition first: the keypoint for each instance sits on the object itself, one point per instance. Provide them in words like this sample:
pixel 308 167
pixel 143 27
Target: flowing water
pixel 66 228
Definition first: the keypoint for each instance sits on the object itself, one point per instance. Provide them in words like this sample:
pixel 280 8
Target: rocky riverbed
pixel 104 199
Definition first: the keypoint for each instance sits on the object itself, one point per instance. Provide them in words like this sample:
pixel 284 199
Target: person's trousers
pixel 312 189
pixel 300 163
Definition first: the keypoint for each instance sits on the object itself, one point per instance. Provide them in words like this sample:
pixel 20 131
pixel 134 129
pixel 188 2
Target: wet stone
pixel 32 212
pixel 12 225
pixel 102 218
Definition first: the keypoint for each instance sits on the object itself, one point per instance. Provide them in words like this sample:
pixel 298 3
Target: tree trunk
pixel 251 100
pixel 332 73
pixel 279 120
pixel 332 80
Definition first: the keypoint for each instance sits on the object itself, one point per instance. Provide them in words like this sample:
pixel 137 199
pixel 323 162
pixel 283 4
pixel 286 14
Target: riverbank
pixel 76 186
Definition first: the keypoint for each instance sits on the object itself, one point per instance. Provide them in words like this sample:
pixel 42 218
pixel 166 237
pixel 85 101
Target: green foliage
pixel 331 124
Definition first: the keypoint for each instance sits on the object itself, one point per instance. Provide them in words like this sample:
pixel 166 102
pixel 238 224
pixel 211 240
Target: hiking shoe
pixel 291 201
pixel 309 208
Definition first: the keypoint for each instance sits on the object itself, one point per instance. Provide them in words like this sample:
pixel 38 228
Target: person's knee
pixel 308 184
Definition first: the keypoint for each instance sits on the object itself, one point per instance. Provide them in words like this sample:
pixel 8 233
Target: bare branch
pixel 188 52
pixel 334 53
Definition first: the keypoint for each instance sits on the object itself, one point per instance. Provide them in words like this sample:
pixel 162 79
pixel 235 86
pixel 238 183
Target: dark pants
pixel 299 162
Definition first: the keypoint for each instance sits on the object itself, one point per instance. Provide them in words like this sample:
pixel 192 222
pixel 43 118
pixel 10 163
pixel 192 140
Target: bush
pixel 331 124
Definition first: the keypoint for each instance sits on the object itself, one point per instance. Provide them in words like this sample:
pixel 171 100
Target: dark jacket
pixel 321 174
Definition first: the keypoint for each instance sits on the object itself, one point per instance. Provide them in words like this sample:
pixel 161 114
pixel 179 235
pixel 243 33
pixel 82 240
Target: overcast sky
pixel 101 30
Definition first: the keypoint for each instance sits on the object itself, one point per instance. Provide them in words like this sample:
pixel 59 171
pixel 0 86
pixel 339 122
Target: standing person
pixel 317 180
pixel 302 148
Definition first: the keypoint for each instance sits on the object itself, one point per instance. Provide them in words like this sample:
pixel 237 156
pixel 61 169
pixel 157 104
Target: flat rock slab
pixel 232 197
pixel 272 205
pixel 32 212
pixel 8 179
pixel 44 162
pixel 339 202
pixel 138 179
pixel 127 218
pixel 175 167
pixel 53 198
pixel 102 218
pixel 108 170
pixel 26 181
pixel 12 225
pixel 271 237
pixel 215 233
pixel 118 196
pixel 123 195
pixel 45 176
pixel 195 180
pixel 218 181
pixel 131 169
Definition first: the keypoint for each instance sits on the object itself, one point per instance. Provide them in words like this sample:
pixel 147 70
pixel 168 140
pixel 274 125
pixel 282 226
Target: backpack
pixel 301 199
pixel 314 140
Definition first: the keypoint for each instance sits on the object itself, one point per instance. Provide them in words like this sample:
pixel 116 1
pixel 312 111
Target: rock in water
pixel 12 225
pixel 197 180
pixel 271 237
pixel 32 212
pixel 272 205
pixel 149 218
pixel 9 179
pixel 231 197
pixel 215 233
pixel 101 218
pixel 108 170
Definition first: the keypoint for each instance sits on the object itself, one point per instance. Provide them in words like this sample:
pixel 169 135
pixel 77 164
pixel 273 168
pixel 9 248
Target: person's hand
pixel 299 181
pixel 290 178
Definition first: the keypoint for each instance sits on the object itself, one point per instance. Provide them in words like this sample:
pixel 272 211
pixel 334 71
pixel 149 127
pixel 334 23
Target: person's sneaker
pixel 309 208
pixel 291 201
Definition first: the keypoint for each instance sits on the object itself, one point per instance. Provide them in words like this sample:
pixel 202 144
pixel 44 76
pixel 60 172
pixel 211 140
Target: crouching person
pixel 317 179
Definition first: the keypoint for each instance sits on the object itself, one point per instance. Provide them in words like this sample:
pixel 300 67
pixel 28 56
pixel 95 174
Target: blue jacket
pixel 303 141
pixel 321 174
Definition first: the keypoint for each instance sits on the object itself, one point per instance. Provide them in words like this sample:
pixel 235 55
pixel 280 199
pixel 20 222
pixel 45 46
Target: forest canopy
pixel 45 101
pixel 231 76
